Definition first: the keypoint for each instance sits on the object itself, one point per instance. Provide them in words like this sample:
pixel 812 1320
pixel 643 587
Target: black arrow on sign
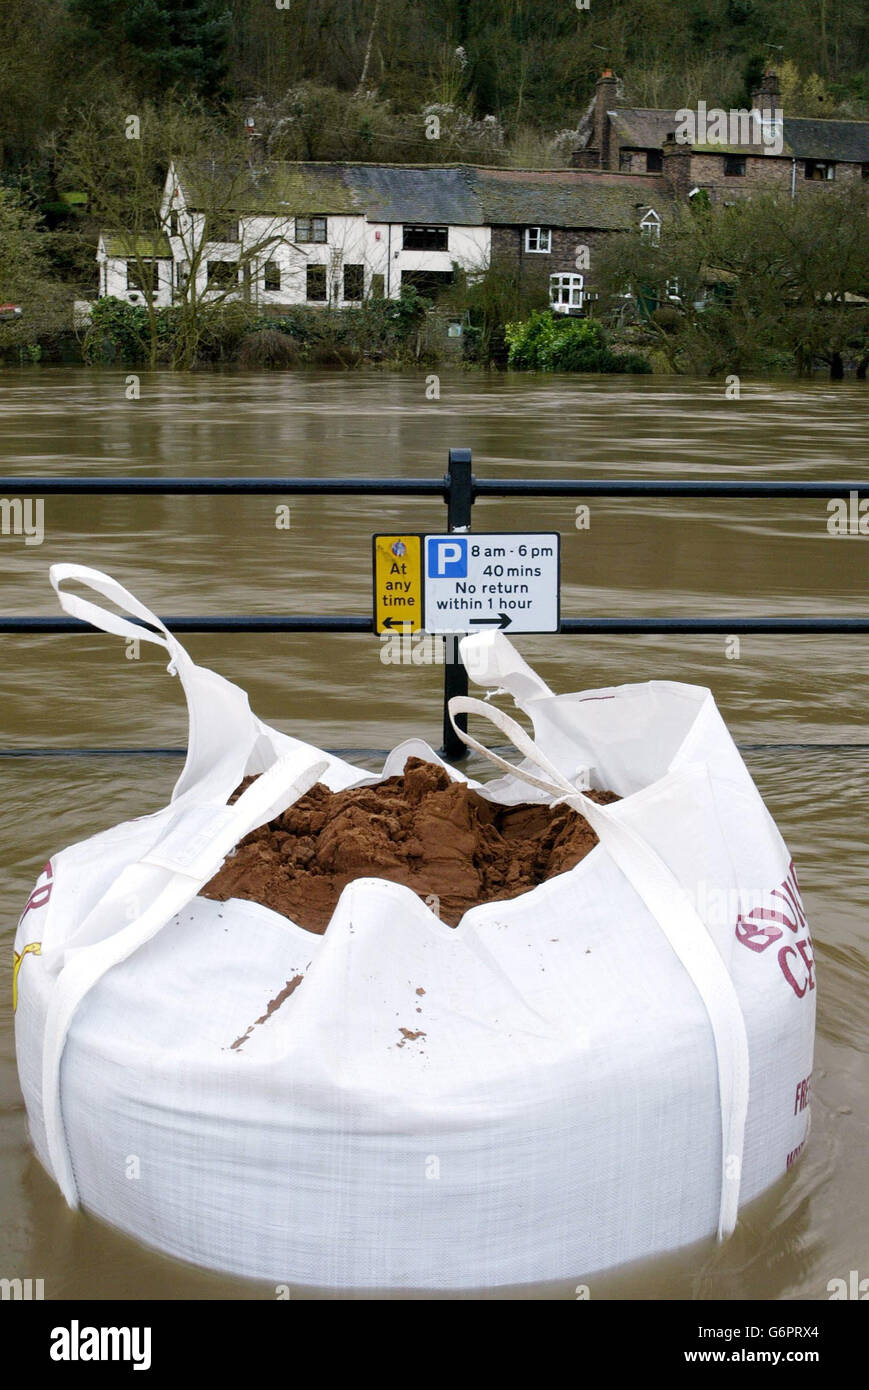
pixel 397 622
pixel 501 621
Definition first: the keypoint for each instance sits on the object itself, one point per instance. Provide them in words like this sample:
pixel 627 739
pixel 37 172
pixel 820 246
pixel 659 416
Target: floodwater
pixel 795 704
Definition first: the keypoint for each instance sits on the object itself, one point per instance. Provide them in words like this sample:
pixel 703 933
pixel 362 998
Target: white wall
pixel 351 240
pixel 113 280
pixel 468 247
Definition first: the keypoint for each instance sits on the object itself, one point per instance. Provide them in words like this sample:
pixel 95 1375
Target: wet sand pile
pixel 438 837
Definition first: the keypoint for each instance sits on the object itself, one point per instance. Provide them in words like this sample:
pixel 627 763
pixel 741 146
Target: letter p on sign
pixel 447 558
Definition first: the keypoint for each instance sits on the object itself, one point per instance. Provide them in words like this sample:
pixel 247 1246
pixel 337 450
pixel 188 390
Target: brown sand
pixel 438 837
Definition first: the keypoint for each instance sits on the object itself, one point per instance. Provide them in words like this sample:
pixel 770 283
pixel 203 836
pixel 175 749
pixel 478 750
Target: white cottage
pixel 295 234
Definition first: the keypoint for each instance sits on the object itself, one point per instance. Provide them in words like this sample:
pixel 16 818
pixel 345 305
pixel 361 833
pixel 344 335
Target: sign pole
pixel 460 498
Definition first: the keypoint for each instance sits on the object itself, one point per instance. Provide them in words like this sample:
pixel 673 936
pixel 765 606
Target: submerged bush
pixel 117 332
pixel 268 347
pixel 547 342
pixel 633 362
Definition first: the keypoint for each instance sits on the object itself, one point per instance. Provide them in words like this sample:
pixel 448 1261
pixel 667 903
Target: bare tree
pixel 121 159
pixel 371 32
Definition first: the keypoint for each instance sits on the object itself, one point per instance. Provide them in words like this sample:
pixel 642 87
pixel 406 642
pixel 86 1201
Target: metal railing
pixel 459 489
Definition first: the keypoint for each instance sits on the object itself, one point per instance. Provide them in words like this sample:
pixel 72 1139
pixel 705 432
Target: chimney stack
pixel 605 96
pixel 677 164
pixel 767 96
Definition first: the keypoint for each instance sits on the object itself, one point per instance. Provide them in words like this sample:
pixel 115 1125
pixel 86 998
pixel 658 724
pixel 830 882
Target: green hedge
pixel 547 342
pixel 375 330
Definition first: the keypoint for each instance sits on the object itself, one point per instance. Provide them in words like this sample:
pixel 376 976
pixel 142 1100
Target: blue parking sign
pixel 447 557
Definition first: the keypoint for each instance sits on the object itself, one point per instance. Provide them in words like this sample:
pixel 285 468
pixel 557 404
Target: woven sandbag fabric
pixel 597 1070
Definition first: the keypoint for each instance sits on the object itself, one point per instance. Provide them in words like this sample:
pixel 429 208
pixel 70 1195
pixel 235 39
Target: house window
pixel 538 240
pixel 734 166
pixel 428 283
pixel 354 282
pixel 310 229
pixel 315 278
pixel 819 170
pixel 222 275
pixel 654 161
pixel 650 227
pixel 566 292
pixel 272 276
pixel 865 171
pixel 425 238
pixel 173 224
pixel 142 276
pixel 221 229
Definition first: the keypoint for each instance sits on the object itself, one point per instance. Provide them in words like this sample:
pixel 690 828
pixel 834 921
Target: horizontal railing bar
pixel 173 752
pixel 429 487
pixel 653 487
pixel 603 626
pixel 348 753
pixel 382 487
pixel 204 624
pixel 569 626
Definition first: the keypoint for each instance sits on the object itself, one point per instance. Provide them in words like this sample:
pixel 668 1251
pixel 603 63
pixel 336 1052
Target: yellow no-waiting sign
pixel 398 583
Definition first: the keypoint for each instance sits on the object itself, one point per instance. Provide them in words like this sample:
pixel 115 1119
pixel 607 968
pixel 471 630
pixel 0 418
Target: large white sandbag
pixel 605 1067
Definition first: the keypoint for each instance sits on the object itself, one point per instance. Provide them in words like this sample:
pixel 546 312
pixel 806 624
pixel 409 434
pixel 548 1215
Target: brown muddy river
pixel 796 705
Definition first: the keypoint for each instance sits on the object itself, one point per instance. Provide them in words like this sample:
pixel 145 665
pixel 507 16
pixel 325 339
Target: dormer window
pixel 538 240
pixel 650 227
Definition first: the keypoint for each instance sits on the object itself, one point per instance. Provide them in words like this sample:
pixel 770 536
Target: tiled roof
pixel 125 244
pixel 446 195
pixel 566 197
pixel 642 128
pixel 842 140
pixel 279 189
pixel 417 194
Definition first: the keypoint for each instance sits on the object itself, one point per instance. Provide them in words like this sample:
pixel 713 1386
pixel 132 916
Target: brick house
pixel 794 154
pixel 547 223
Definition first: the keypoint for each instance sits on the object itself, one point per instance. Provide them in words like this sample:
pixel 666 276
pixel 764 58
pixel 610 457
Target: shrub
pixel 547 342
pixel 296 322
pixel 117 332
pixel 633 362
pixel 666 317
pixel 268 347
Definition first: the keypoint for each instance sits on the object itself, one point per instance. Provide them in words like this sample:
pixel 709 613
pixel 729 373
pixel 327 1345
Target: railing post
pixel 460 499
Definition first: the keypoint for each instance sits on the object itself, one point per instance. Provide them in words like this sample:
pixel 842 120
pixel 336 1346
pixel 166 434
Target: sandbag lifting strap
pixel 677 918
pixel 185 858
